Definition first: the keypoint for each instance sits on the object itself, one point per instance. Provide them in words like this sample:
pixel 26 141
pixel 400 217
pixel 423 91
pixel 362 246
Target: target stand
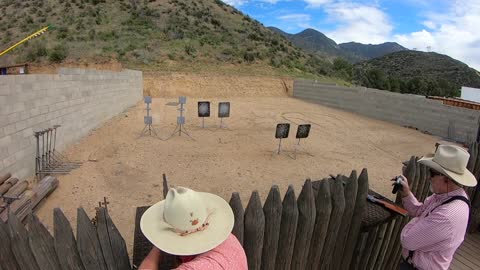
pixel 180 128
pixel 203 111
pixel 148 120
pixel 281 133
pixel 302 133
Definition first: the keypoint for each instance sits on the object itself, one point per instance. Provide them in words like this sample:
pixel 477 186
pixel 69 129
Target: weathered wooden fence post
pixel 65 244
pixel 323 207
pixel 88 243
pixel 111 241
pixel 306 223
pixel 19 244
pixel 42 245
pixel 288 229
pixel 6 255
pixel 272 210
pixel 356 223
pixel 254 231
pixel 238 213
pixel 338 207
pixel 351 187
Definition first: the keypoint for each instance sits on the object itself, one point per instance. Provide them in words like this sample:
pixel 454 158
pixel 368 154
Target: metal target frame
pixel 223 112
pixel 281 132
pixel 203 111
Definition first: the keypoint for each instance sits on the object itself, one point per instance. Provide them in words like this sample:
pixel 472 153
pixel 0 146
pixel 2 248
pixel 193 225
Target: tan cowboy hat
pixel 451 161
pixel 187 222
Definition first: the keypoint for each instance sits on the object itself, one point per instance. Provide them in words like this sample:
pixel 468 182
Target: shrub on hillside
pixel 58 54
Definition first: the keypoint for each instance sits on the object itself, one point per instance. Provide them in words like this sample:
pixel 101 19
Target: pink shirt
pixel 228 255
pixel 435 237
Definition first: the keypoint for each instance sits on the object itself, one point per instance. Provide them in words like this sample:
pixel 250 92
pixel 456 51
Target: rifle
pixel 395 208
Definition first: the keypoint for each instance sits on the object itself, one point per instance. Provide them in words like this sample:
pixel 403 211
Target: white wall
pixel 472 94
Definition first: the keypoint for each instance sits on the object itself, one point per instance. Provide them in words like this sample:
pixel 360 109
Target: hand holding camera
pixel 400 183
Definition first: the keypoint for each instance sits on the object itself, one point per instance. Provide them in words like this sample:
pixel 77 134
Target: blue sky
pixel 444 26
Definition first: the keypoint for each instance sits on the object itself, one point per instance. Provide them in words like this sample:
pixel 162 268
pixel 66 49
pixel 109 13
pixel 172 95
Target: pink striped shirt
pixel 228 255
pixel 435 237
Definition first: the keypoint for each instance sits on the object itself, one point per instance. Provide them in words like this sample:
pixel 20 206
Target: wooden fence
pixel 474 192
pixel 329 226
pixel 98 244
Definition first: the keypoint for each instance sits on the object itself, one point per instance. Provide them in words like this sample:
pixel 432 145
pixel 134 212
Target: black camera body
pixel 397 185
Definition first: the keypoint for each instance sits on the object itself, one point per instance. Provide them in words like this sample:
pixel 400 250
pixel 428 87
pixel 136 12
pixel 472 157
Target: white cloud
pixel 295 17
pixel 455 33
pixel 238 3
pixel 235 3
pixel 297 20
pixel 317 3
pixel 358 22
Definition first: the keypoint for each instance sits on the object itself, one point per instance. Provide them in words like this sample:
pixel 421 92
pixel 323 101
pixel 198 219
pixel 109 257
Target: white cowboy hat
pixel 187 222
pixel 451 161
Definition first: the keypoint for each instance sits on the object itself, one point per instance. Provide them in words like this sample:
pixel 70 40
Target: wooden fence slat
pixel 254 231
pixel 119 247
pixel 376 246
pixel 476 172
pixel 414 185
pixel 165 186
pixel 386 241
pixel 288 229
pixel 356 223
pixel 19 244
pixel 351 187
pixel 395 260
pixel 424 176
pixel 365 256
pixel 338 207
pixel 65 244
pixel 102 232
pixel 41 244
pixel 238 213
pixel 306 223
pixel 473 150
pixel 395 241
pixel 88 243
pixel 359 248
pixel 323 207
pixel 6 255
pixel 272 210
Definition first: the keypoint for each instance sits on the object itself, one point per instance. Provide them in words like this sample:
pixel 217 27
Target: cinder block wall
pixel 79 100
pixel 428 115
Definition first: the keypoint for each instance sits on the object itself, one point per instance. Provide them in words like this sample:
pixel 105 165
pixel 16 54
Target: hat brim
pixel 160 234
pixel 465 179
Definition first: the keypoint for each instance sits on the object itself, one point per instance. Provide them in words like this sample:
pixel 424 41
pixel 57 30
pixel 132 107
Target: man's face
pixel 437 182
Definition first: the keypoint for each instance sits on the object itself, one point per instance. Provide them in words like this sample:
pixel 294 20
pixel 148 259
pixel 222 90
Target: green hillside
pixel 150 34
pixel 416 72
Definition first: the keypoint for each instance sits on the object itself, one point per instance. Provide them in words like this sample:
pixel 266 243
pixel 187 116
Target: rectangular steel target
pixel 204 109
pixel 282 131
pixel 224 109
pixel 303 131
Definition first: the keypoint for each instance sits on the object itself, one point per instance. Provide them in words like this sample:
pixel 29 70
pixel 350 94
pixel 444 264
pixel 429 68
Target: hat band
pixel 198 229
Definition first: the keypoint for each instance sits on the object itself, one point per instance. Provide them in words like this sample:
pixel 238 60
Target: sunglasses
pixel 434 173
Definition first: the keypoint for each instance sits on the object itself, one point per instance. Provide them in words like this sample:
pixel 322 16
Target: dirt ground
pixel 127 168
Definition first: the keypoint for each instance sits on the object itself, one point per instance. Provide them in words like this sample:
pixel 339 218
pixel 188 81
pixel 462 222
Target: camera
pixel 397 184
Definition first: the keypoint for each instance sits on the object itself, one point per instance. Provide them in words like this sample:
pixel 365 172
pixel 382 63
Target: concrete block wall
pixel 428 115
pixel 79 100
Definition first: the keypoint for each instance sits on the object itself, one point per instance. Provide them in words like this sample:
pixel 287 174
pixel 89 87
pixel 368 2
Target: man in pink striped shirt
pixel 439 224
